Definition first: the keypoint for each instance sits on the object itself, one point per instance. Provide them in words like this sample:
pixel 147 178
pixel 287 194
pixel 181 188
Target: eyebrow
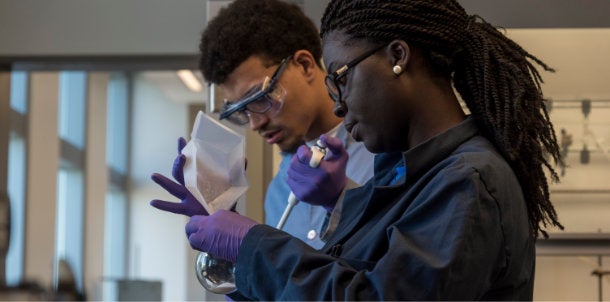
pixel 249 92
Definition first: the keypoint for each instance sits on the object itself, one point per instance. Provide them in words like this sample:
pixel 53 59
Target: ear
pixel 399 53
pixel 306 63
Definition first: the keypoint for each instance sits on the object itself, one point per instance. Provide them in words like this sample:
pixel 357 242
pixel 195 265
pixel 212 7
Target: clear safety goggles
pixel 266 100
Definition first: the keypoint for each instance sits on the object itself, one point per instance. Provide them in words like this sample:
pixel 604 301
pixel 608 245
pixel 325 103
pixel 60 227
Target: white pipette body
pixel 318 152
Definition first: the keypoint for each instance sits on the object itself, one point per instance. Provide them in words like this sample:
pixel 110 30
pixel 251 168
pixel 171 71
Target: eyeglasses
pixel 269 98
pixel 332 80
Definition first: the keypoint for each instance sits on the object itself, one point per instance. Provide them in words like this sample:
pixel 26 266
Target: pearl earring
pixel 397 69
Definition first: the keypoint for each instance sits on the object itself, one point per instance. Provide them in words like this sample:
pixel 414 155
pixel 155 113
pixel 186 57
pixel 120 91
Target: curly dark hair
pixel 496 78
pixel 270 28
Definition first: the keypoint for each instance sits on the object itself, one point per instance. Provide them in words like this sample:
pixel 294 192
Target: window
pixel 70 191
pixel 72 102
pixel 117 131
pixel 16 179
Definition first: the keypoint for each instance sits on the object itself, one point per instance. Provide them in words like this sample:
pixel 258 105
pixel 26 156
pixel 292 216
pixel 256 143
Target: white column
pixel 96 183
pixel 42 167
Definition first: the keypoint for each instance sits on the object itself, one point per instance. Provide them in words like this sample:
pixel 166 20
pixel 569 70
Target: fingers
pixel 304 154
pixel 300 188
pixel 173 188
pixel 173 207
pixel 195 232
pixel 334 145
pixel 193 225
pixel 300 164
pixel 181 144
pixel 299 171
pixel 178 169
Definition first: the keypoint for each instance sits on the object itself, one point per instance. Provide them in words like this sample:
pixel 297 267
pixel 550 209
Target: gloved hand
pixel 219 234
pixel 319 186
pixel 189 206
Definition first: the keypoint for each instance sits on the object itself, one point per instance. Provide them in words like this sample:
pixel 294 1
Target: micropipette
pixel 318 152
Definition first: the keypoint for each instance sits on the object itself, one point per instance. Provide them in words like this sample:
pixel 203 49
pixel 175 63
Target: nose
pixel 258 120
pixel 340 109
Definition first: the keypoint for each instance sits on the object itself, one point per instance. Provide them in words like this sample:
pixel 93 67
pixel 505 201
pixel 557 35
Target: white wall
pixel 583 71
pixel 157 247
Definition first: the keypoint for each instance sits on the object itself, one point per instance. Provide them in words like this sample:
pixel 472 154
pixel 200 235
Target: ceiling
pixel 173 88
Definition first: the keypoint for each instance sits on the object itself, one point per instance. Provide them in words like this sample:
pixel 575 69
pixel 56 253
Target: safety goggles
pixel 266 100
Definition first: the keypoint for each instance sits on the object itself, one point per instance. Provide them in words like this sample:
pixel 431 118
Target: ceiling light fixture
pixel 190 80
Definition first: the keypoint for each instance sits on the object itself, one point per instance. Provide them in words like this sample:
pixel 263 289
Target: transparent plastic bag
pixel 214 171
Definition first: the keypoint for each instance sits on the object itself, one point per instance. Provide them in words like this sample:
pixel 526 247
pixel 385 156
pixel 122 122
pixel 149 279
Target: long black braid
pixel 496 78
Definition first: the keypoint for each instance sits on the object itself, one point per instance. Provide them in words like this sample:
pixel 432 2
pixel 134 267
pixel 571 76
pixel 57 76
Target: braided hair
pixel 496 78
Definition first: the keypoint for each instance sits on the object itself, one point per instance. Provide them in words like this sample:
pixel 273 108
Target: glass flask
pixel 215 275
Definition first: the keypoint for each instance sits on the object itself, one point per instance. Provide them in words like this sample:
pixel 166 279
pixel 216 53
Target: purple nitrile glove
pixel 219 234
pixel 319 186
pixel 189 205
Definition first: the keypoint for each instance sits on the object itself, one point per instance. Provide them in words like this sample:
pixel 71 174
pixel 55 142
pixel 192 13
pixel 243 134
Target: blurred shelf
pixel 574 244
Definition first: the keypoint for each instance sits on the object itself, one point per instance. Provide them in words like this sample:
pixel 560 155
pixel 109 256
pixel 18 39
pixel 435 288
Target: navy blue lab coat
pixel 456 228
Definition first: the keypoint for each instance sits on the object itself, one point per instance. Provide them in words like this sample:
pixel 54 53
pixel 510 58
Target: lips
pixel 272 137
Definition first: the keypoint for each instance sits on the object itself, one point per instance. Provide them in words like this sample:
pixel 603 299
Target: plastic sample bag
pixel 214 171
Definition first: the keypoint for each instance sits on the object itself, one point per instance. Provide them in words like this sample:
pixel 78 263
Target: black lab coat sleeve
pixel 456 229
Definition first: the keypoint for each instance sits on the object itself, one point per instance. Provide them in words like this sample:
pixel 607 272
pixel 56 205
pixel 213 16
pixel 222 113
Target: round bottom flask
pixel 216 275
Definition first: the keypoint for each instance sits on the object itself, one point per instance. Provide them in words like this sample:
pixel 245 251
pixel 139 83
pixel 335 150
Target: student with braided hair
pixel 457 201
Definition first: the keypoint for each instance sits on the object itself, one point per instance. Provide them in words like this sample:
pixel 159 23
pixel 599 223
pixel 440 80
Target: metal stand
pixel 600 276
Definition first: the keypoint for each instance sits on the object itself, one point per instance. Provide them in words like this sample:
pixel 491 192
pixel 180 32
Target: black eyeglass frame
pixel 231 108
pixel 332 78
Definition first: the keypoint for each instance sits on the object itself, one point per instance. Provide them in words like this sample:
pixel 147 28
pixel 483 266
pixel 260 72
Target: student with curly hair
pixel 457 200
pixel 265 56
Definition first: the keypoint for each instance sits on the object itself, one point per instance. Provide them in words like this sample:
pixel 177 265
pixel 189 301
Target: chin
pixel 373 147
pixel 288 146
pixel 381 147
